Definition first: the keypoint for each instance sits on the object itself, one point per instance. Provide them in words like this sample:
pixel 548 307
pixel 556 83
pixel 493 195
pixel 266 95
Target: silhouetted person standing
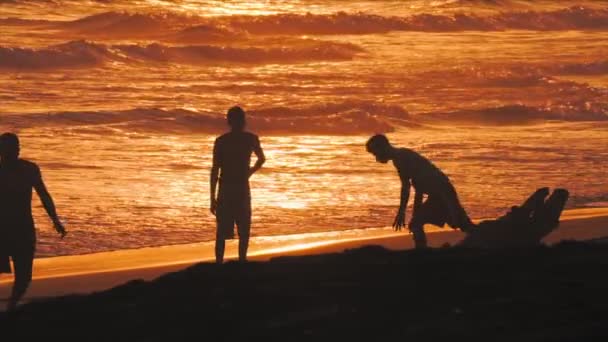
pixel 231 166
pixel 441 206
pixel 17 233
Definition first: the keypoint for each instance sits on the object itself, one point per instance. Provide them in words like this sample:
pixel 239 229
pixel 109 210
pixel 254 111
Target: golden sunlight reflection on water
pixel 122 119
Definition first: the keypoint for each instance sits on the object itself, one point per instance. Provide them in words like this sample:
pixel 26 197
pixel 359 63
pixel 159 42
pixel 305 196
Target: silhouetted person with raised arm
pixel 231 167
pixel 441 206
pixel 17 232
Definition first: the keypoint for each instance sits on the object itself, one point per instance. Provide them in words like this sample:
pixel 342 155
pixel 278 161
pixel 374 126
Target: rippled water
pixel 120 101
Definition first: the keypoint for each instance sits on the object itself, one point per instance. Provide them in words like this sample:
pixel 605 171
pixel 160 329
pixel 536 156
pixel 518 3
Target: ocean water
pixel 120 101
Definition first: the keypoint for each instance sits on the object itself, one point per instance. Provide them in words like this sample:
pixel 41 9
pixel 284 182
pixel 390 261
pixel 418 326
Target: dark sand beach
pixel 555 293
pixel 543 294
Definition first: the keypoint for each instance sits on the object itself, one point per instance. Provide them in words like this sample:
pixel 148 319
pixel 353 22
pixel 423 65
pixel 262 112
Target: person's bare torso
pixel 424 175
pixel 232 153
pixel 17 180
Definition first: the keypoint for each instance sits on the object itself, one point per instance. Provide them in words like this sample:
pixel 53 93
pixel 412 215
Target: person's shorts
pixel 437 212
pixel 22 253
pixel 231 212
pixel 433 211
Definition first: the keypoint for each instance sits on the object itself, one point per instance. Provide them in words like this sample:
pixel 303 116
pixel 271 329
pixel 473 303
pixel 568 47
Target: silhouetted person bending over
pixel 441 206
pixel 231 165
pixel 17 232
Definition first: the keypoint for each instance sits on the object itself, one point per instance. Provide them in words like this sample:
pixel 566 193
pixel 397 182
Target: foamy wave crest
pixel 171 26
pixel 79 54
pixel 495 76
pixel 520 75
pixel 207 33
pixel 522 114
pixel 75 54
pixel 590 68
pixel 22 22
pixel 361 23
pixel 124 25
pixel 201 54
pixel 348 118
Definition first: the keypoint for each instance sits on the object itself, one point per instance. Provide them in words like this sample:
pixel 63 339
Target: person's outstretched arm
pixel 405 197
pixel 259 152
pixel 215 170
pixel 48 203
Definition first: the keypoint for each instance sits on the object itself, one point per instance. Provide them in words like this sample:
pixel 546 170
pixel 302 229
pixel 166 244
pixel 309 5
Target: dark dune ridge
pixel 541 294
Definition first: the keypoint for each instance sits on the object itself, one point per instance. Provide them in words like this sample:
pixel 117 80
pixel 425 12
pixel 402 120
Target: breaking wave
pixel 202 54
pixel 522 114
pixel 347 118
pixel 589 68
pixel 195 28
pixel 78 54
pixel 123 24
pixel 207 33
pixel 360 23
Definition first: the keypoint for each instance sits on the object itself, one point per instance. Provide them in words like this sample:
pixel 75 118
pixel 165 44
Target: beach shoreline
pixel 80 274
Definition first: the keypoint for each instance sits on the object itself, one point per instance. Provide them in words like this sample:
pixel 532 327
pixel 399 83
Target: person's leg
pixel 23 265
pixel 225 225
pixel 432 211
pixel 220 247
pixel 243 223
pixel 417 229
pixel 243 247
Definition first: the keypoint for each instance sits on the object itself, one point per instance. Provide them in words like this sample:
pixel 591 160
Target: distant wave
pixel 123 24
pixel 519 75
pixel 522 114
pixel 576 17
pixel 343 118
pixel 207 33
pixel 589 68
pixel 190 28
pixel 78 54
pixel 22 22
pixel 201 54
pixel 360 23
pixel 347 118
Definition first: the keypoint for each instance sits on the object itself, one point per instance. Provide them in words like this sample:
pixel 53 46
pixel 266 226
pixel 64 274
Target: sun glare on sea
pixel 224 8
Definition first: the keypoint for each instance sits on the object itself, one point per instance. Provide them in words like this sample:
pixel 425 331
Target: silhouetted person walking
pixel 17 233
pixel 231 165
pixel 441 206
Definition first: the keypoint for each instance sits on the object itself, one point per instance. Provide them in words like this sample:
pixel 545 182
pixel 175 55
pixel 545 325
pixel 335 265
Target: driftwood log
pixel 522 226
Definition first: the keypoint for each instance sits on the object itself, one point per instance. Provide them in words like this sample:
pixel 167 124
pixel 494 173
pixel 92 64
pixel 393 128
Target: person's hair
pixel 9 141
pixel 236 117
pixel 378 141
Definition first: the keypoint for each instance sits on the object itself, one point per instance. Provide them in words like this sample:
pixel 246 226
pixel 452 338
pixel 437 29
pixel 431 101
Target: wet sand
pixel 341 291
pixel 94 272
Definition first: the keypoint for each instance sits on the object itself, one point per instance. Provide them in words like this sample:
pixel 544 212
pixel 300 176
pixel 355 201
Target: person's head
pixel 380 147
pixel 9 146
pixel 236 118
